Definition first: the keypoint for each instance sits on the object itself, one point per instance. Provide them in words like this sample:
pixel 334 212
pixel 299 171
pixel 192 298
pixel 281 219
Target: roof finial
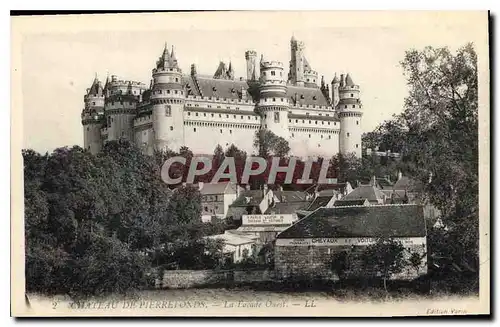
pixel 172 54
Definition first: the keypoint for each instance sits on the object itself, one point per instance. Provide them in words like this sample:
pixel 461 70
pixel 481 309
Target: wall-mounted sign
pixel 267 219
pixel 344 241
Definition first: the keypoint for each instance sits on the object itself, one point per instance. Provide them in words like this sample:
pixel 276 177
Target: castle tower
pixel 273 103
pixel 325 89
pixel 168 100
pixel 120 108
pixel 252 69
pixel 349 111
pixel 93 117
pixel 335 91
pixel 296 74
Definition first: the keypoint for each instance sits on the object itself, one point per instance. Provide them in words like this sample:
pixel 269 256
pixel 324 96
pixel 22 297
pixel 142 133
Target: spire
pixel 348 80
pixel 322 81
pixel 96 87
pixel 230 72
pixel 172 54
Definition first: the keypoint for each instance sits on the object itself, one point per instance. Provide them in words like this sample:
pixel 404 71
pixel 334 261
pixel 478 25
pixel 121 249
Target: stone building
pixel 307 248
pixel 201 112
pixel 216 198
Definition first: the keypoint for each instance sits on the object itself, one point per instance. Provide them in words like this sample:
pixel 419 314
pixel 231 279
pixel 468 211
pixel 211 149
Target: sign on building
pixel 267 219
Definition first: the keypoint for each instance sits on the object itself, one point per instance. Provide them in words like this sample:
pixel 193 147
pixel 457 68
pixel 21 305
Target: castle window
pixel 316 122
pixel 274 99
pixel 273 73
pixel 293 135
pixel 276 117
pixel 348 134
pixel 177 79
pixel 214 88
pixel 345 106
pixel 171 128
pixel 354 106
pixel 308 79
pixel 322 123
pixel 357 146
pixel 329 123
pixel 168 110
pixel 194 129
pixel 265 125
pixel 121 102
pixel 357 122
pixel 221 131
pixel 88 128
pixel 352 95
pixel 220 115
pixel 255 118
pixel 204 114
pixel 289 120
pixel 329 137
pixel 230 131
pixel 168 91
pixel 302 96
pixel 264 73
pixel 309 135
pixel 212 115
pixel 189 114
pixel 196 114
pixel 175 91
pixel 309 122
pixel 93 103
pixel 296 120
pixel 234 116
pixel 281 73
pixel 321 136
pixel 227 116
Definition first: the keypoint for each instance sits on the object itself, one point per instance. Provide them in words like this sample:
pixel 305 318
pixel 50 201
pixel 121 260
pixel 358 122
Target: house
pixel 237 246
pixel 265 227
pixel 216 198
pixel 307 248
pixel 288 203
pixel 250 202
pixel 370 192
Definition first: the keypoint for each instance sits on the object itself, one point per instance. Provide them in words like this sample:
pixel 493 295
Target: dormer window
pixel 302 96
pixel 214 88
pixel 314 97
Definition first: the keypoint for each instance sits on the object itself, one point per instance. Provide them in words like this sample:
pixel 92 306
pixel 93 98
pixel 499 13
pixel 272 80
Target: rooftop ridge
pixel 375 205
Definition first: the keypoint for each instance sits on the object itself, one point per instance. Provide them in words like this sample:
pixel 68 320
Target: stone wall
pixel 315 262
pixel 192 278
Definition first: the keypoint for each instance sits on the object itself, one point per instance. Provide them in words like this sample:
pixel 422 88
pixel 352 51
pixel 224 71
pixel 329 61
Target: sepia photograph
pixel 251 163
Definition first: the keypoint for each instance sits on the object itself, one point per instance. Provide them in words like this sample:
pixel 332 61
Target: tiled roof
pixel 369 192
pixel 218 188
pixel 286 208
pixel 290 196
pixel 319 202
pixel 248 198
pixel 344 203
pixel 306 95
pixel 408 184
pixel 348 80
pixel 215 88
pixel 360 221
pixel 232 239
pixel 384 183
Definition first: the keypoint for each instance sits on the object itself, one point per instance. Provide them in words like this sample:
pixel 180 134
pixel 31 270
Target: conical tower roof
pixel 348 80
pixel 96 87
pixel 335 79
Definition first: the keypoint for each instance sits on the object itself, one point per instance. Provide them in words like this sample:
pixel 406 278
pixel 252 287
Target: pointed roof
pixel 96 87
pixel 348 80
pixel 172 54
pixel 335 79
pixel 221 70
pixel 167 60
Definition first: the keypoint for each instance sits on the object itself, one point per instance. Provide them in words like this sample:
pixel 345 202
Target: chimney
pixel 342 80
pixel 400 174
pixel 200 185
pixel 193 70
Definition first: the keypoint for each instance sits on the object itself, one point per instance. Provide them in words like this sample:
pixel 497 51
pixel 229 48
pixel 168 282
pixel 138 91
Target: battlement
pixel 218 100
pixel 349 88
pixel 311 72
pixel 271 64
pixel 250 53
pixel 167 70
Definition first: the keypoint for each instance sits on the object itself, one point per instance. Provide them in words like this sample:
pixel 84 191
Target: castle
pixel 201 112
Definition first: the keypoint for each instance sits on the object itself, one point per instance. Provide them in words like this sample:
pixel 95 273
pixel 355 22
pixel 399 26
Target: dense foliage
pixel 97 224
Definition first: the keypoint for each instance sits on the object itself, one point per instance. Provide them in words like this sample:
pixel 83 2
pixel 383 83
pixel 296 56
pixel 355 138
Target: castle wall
pixel 92 137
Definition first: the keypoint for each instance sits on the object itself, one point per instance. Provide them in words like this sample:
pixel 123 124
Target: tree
pixel 385 257
pixel 185 205
pixel 267 143
pixel 441 119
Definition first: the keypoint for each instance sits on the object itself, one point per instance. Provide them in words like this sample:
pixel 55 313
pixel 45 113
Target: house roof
pixel 319 202
pixel 290 196
pixel 406 183
pixel 219 188
pixel 360 221
pixel 285 208
pixel 355 202
pixel 213 87
pixel 370 192
pixel 248 198
pixel 232 239
pixel 337 187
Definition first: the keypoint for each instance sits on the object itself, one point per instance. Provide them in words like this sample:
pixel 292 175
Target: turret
pixel 252 69
pixel 325 89
pixel 167 98
pixel 350 112
pixel 335 91
pixel 93 116
pixel 273 104
pixel 296 74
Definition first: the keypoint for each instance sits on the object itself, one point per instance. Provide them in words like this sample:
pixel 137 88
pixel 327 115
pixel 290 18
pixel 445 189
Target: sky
pixel 59 56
